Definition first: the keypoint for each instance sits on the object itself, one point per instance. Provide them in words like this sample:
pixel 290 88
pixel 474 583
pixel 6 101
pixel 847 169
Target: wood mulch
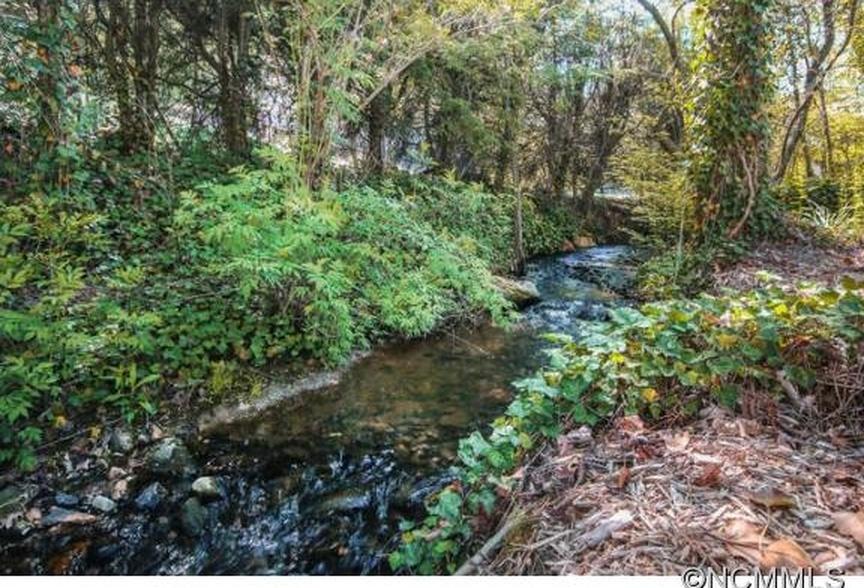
pixel 725 490
pixel 766 487
pixel 790 263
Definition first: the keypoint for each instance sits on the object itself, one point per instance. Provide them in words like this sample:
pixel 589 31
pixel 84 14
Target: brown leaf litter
pixel 724 490
pixel 791 263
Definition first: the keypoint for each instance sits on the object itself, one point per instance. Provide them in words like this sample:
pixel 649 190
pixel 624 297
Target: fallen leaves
pixel 772 498
pixel 747 540
pixel 678 442
pixel 631 424
pixel 852 524
pixel 744 539
pixel 606 527
pixel 710 475
pixel 785 553
pixel 622 477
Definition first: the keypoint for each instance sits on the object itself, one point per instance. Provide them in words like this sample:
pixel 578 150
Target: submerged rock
pixel 193 517
pixel 170 456
pixel 151 496
pixel 344 501
pixel 519 292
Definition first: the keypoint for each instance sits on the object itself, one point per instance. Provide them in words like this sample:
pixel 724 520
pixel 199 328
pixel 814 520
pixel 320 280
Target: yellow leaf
pixel 726 341
pixel 650 394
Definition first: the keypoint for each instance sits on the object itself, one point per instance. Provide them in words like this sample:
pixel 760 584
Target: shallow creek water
pixel 319 486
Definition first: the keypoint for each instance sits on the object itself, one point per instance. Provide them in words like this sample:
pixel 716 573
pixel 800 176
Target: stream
pixel 319 487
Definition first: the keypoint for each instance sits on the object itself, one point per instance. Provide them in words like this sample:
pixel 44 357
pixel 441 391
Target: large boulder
pixel 519 292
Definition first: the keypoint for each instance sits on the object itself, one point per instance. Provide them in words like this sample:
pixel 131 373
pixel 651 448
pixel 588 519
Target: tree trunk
pixel 145 46
pixel 377 115
pixel 48 83
pixel 828 146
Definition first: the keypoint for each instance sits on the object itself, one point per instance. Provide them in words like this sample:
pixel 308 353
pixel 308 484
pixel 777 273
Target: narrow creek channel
pixel 319 488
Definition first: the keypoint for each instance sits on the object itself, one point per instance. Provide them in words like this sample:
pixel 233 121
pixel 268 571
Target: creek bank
pixel 312 484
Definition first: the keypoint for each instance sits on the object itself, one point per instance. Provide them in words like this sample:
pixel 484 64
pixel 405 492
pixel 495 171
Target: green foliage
pixel 681 272
pixel 843 224
pixel 732 129
pixel 108 310
pixel 665 210
pixel 826 208
pixel 480 221
pixel 664 358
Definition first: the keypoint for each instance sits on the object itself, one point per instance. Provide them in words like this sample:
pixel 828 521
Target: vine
pixel 732 130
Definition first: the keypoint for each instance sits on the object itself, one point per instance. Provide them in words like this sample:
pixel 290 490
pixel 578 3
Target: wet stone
pixel 58 515
pixel 103 504
pixel 170 456
pixel 120 489
pixel 63 499
pixel 193 517
pixel 151 496
pixel 207 487
pixel 344 502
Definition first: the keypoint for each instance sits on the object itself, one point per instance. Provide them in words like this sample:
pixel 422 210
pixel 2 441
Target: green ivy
pixel 661 358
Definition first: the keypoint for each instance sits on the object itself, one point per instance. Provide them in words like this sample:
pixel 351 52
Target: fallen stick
pixel 475 561
pixel 790 390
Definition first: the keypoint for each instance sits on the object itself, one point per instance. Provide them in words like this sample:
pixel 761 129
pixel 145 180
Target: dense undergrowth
pixel 128 287
pixel 663 360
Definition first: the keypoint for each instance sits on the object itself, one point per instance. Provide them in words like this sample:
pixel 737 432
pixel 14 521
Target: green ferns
pixel 665 358
pixel 109 312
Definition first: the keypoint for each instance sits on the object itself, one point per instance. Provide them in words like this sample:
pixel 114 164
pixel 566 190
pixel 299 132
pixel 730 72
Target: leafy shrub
pixel 480 221
pixel 664 358
pixel 823 192
pixel 115 294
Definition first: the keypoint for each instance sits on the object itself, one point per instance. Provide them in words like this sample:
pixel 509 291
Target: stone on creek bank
pixel 207 487
pixel 103 504
pixel 12 499
pixel 58 516
pixel 519 292
pixel 170 456
pixel 63 499
pixel 193 517
pixel 121 441
pixel 151 496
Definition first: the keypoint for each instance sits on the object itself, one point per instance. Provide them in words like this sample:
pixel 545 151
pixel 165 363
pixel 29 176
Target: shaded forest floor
pixel 791 263
pixel 766 485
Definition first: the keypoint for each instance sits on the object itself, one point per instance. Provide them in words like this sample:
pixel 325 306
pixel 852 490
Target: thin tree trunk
pixel 377 115
pixel 828 147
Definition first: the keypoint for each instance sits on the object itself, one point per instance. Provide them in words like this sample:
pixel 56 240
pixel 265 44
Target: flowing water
pixel 319 487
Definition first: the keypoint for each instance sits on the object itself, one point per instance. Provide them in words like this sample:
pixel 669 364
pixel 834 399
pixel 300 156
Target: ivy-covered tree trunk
pixel 731 124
